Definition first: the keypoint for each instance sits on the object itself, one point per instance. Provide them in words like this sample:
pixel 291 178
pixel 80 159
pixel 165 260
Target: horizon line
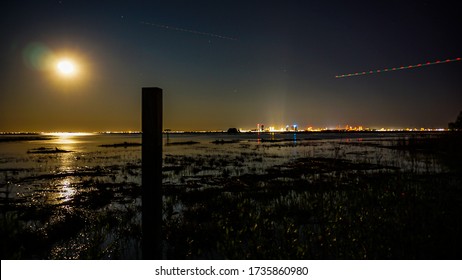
pixel 166 131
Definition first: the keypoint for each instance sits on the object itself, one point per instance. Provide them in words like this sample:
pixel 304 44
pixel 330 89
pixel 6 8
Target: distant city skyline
pixel 269 129
pixel 80 65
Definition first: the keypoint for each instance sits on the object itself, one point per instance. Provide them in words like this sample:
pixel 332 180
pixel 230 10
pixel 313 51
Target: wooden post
pixel 151 178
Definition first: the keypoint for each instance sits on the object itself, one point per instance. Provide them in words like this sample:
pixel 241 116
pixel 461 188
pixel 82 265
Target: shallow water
pixel 56 177
pixel 79 181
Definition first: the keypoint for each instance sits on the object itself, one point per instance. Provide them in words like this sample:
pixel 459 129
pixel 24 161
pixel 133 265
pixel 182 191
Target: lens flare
pixel 37 56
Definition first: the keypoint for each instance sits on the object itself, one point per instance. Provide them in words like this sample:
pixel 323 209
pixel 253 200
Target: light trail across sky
pixel 398 68
pixel 188 30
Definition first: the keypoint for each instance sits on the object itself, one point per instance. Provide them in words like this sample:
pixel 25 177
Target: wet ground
pixel 360 196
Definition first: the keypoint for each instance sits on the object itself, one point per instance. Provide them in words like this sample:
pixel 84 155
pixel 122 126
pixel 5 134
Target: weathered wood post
pixel 151 178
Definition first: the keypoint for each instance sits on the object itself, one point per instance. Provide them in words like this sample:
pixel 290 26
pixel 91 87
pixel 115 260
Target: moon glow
pixel 66 67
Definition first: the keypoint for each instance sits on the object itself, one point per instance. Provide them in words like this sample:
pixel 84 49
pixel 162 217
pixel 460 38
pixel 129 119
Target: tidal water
pixel 79 195
pixel 50 168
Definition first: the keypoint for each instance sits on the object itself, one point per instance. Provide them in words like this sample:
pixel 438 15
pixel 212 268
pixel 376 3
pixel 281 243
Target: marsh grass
pixel 363 216
pixel 370 207
pixel 384 199
pixel 80 214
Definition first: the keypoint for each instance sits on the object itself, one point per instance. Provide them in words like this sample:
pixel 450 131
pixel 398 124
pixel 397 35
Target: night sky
pixel 228 64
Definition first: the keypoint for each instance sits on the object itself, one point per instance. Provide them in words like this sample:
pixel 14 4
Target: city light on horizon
pixel 240 129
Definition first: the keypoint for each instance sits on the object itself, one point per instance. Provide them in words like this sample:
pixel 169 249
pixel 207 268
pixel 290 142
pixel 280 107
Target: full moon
pixel 66 67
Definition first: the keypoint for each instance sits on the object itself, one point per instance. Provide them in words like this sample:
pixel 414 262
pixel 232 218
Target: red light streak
pixel 399 68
